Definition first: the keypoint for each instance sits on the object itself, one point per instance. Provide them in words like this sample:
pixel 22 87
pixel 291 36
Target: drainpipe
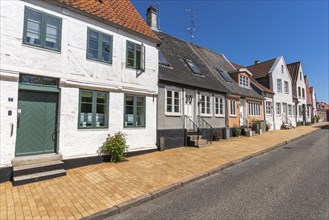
pixel 227 127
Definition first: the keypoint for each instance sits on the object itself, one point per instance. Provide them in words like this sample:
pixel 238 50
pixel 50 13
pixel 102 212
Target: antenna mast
pixel 157 5
pixel 191 29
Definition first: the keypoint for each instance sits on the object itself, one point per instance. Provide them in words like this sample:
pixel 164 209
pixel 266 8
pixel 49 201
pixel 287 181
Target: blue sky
pixel 245 31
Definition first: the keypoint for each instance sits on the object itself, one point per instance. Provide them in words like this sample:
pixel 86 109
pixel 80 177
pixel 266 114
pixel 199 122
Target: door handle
pixel 18 119
pixel 53 136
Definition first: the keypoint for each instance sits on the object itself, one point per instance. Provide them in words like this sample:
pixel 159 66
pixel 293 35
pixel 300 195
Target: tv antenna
pixel 157 5
pixel 191 29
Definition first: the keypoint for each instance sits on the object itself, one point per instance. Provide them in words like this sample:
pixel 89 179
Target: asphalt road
pixel 291 182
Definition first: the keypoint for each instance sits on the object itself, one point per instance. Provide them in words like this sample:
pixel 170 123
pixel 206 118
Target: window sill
pixel 173 115
pixel 233 116
pixel 92 129
pixel 133 127
pixel 99 61
pixel 206 116
pixel 219 116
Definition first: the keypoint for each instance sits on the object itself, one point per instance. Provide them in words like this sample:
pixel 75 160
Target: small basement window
pixel 193 67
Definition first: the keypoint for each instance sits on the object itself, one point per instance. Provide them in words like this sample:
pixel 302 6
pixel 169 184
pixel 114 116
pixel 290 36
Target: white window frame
pixel 279 85
pixel 221 106
pixel 286 87
pixel 254 109
pixel 303 93
pixel 244 81
pixel 173 113
pixel 205 102
pixel 282 69
pixel 276 108
pixel 232 102
pixel 299 92
pixel 268 106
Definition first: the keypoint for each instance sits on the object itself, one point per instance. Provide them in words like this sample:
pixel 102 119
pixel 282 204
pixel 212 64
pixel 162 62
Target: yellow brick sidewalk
pixel 87 190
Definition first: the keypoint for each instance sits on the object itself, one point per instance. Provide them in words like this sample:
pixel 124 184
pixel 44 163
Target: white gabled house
pixel 299 92
pixel 274 75
pixel 70 76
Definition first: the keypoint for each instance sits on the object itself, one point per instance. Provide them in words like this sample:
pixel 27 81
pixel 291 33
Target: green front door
pixel 36 125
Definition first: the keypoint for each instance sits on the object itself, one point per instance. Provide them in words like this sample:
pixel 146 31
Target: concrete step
pixel 35 159
pixel 30 178
pixel 37 168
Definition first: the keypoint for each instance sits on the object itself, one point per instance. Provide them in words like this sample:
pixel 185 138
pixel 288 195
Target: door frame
pixel 243 114
pixel 41 88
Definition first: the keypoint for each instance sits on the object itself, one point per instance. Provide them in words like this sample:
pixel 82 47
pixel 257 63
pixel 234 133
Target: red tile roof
pixel 237 66
pixel 119 12
pixel 294 70
pixel 261 70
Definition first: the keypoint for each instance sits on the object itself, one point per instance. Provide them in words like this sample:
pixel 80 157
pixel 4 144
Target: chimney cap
pixel 151 9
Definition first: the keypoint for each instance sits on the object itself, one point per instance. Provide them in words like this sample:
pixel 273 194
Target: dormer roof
pixel 294 69
pixel 262 69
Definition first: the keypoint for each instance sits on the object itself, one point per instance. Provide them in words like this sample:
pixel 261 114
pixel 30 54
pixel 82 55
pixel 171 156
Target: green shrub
pixel 217 136
pixel 268 126
pixel 317 118
pixel 115 147
pixel 236 131
pixel 312 120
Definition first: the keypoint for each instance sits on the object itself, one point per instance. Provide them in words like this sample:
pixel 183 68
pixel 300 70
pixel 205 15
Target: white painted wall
pixel 281 97
pixel 301 101
pixel 269 117
pixel 75 71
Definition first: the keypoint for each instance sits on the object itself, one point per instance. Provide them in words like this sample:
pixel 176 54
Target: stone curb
pixel 152 195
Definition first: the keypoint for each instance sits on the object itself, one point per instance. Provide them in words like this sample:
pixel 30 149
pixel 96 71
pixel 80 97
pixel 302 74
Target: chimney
pixel 257 61
pixel 151 17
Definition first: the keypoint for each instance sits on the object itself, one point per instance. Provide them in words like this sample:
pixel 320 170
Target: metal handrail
pixel 285 119
pixel 189 123
pixel 206 129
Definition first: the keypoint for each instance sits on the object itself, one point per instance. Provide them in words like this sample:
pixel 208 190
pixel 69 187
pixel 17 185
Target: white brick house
pixel 93 76
pixel 274 75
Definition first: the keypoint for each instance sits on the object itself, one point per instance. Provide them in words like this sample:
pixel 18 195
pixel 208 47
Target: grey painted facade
pixel 171 126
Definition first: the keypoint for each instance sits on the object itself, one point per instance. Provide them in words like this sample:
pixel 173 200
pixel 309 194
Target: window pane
pixel 131 54
pixel 169 101
pixel 93 44
pixel 140 114
pixel 33 29
pixel 87 97
pixel 52 35
pixel 138 56
pixel 86 115
pixel 101 97
pixel 106 47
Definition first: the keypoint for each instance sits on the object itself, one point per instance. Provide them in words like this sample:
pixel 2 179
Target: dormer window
pixel 193 67
pixel 162 59
pixel 224 76
pixel 244 81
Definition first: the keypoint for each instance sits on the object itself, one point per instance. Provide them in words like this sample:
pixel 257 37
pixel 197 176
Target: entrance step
pixel 35 159
pixel 34 168
pixel 37 167
pixel 30 178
